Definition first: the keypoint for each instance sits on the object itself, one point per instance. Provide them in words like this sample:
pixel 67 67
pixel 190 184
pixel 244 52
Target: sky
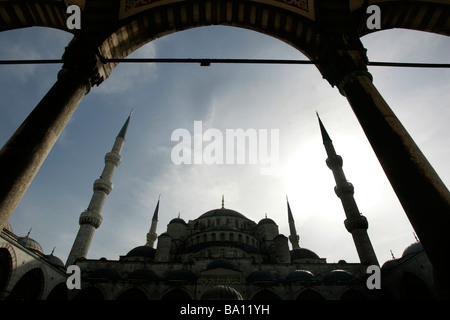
pixel 167 97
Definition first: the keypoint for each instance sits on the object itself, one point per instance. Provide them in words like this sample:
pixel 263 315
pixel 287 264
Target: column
pixel 22 156
pixel 423 195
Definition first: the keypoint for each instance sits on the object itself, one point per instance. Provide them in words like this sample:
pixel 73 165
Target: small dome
pixel 261 276
pixel 301 276
pixel 266 221
pixel 55 261
pixel 177 220
pixel 142 251
pixel 389 264
pixel 303 253
pixel 339 276
pixel 31 244
pixel 181 275
pixel 412 249
pixel 222 263
pixel 143 274
pixel 221 293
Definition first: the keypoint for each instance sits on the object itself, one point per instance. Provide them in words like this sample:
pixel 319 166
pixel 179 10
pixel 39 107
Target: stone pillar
pixel 423 195
pixel 22 156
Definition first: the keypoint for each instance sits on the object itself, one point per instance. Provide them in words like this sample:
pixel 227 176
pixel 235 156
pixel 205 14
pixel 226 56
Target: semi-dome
pixel 301 276
pixel 414 248
pixel 222 263
pixel 142 251
pixel 303 253
pixel 222 212
pixel 29 243
pixel 55 261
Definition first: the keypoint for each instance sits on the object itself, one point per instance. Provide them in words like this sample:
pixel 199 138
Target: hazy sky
pixel 166 97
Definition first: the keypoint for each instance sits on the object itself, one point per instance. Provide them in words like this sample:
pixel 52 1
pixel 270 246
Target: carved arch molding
pixel 116 28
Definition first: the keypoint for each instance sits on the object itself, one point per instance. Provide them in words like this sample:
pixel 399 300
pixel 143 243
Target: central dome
pixel 222 212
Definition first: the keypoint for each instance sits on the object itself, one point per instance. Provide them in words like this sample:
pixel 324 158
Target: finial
pixel 266 215
pixel 29 232
pixel 392 254
pixel 53 250
pixel 415 236
pixel 178 215
pixel 159 197
pixel 223 202
pixel 131 112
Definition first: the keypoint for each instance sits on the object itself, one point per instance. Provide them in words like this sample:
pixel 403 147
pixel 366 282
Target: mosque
pixel 221 255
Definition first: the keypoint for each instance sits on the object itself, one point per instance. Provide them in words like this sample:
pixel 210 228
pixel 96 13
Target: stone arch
pixel 29 287
pixel 413 288
pixel 6 268
pixel 59 292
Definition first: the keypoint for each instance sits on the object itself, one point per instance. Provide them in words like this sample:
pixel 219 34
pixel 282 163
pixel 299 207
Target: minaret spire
pixel 293 237
pixel 151 235
pixel 355 223
pixel 91 218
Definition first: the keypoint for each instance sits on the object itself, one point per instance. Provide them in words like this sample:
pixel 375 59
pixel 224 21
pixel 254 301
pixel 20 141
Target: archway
pixel 5 268
pixel 342 62
pixel 29 287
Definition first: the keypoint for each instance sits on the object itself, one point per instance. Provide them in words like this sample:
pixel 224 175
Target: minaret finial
pixel 29 232
pixel 323 131
pixel 53 250
pixel 223 202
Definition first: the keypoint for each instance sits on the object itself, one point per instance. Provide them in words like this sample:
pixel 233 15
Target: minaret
pixel 151 235
pixel 355 223
pixel 293 238
pixel 91 218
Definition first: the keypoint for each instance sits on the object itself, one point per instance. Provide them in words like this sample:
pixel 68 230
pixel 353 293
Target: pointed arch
pixel 29 287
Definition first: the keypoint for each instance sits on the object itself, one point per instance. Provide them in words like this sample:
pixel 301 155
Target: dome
pixel 177 220
pixel 303 253
pixel 221 293
pixel 222 263
pixel 413 249
pixel 389 264
pixel 181 275
pixel 55 261
pixel 339 276
pixel 142 251
pixel 301 276
pixel 143 274
pixel 266 221
pixel 222 212
pixel 261 276
pixel 31 244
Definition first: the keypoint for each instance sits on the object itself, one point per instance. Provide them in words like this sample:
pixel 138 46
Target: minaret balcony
pixel 334 162
pixel 91 218
pixel 356 223
pixel 113 158
pixel 344 189
pixel 103 185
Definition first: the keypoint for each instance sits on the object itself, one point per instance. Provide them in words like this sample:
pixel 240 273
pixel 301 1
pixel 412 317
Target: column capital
pixel 340 57
pixel 83 57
